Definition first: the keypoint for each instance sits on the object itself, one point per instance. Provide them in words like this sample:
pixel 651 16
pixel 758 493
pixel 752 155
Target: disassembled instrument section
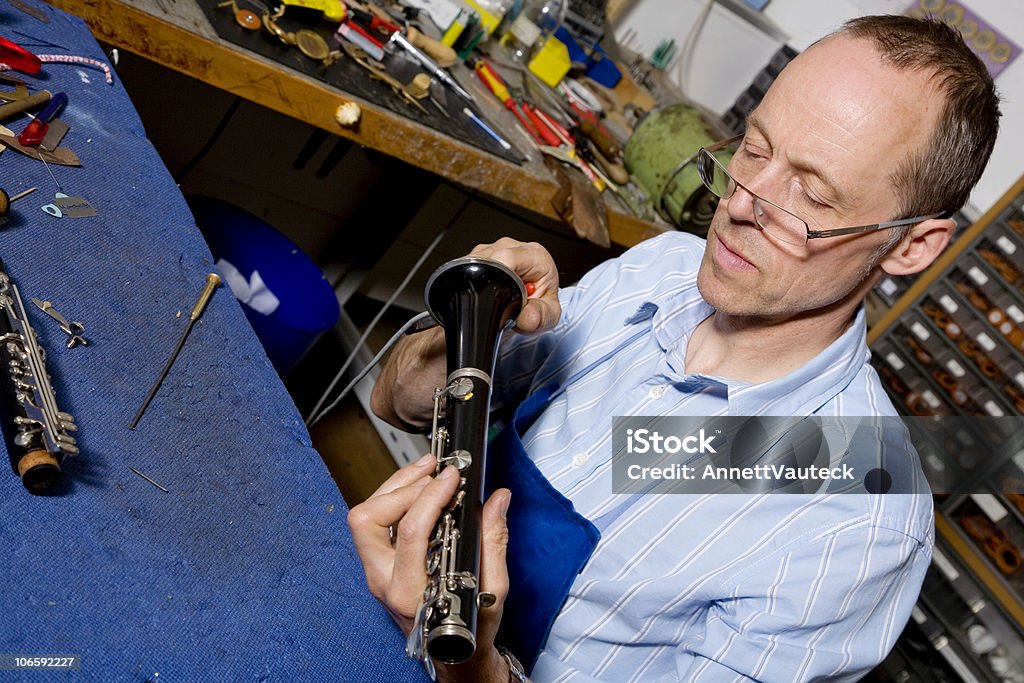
pixel 74 330
pixel 35 428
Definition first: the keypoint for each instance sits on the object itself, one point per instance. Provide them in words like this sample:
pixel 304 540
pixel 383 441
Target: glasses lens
pixel 713 175
pixel 779 223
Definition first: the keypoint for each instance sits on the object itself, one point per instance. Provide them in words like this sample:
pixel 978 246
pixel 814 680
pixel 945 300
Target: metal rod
pixel 212 280
pixel 23 193
pixel 148 479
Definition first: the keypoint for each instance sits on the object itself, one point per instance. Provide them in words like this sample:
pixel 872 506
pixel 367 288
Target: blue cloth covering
pixel 549 542
pixel 245 570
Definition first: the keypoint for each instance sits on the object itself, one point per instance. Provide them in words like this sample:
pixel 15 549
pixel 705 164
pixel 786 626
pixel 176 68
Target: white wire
pixel 685 61
pixel 418 323
pixel 313 416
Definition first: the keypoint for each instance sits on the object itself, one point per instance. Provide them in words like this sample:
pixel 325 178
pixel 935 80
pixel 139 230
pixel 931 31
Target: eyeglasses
pixel 770 217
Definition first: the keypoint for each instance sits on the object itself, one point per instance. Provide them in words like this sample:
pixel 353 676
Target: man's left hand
pixel 410 502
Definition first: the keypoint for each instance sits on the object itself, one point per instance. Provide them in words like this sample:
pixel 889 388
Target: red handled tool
pixel 554 134
pixel 18 57
pixel 497 86
pixel 548 136
pixel 542 133
pixel 36 130
pixel 547 132
pixel 370 21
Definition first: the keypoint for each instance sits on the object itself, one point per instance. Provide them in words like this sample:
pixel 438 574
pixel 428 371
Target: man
pixel 891 119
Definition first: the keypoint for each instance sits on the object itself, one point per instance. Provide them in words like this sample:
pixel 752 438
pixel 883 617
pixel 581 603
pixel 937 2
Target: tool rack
pixel 177 35
pixel 953 345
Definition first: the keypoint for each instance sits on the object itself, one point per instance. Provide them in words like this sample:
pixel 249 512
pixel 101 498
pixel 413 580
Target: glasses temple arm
pixel 836 232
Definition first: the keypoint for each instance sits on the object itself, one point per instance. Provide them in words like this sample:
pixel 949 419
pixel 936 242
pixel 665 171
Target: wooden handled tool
pixel 212 280
pixel 604 142
pixel 16 107
pixel 616 171
pixel 443 54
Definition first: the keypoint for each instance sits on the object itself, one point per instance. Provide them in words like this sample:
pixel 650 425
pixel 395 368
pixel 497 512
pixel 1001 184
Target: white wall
pixel 730 52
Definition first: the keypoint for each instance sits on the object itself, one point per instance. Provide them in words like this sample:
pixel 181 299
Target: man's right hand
pixel 404 392
pixel 532 263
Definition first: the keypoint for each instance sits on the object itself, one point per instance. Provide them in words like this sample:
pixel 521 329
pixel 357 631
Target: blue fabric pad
pixel 245 570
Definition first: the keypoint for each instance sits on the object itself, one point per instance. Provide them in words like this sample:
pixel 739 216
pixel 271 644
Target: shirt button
pixel 657 391
pixel 579 460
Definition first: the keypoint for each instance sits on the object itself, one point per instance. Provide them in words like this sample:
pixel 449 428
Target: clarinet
pixel 35 429
pixel 474 300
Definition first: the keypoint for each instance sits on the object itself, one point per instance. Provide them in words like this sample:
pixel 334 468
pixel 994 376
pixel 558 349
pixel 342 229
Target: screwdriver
pixel 36 130
pixel 497 86
pixel 427 63
pixel 212 280
pixel 526 114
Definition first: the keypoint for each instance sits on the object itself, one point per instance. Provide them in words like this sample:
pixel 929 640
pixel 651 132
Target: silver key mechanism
pixel 74 330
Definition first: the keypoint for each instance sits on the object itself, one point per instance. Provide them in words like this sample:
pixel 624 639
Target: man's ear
pixel 919 247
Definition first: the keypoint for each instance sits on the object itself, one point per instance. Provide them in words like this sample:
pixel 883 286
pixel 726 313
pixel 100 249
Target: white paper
pixel 253 292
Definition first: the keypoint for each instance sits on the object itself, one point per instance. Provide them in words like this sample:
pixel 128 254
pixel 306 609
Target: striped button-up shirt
pixel 727 587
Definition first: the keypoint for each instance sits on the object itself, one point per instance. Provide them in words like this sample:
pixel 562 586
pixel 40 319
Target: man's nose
pixel 742 205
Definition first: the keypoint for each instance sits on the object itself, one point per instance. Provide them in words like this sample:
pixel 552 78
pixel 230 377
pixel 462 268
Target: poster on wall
pixel 994 48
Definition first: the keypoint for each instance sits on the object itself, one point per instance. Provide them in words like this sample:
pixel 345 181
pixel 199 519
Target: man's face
pixel 824 142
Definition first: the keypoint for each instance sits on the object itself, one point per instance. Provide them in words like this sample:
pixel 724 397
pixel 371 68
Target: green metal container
pixel 660 156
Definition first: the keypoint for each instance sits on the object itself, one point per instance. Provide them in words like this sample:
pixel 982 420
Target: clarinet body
pixel 474 300
pixel 35 430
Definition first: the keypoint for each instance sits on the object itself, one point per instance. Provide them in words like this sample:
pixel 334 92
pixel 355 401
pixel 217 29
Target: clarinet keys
pixel 74 330
pixel 35 429
pixel 461 459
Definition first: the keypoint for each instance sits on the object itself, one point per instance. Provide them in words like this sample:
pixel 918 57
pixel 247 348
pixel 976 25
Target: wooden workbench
pixel 176 34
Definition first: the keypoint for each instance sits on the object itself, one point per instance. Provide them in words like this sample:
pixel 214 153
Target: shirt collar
pixel 801 392
pixel 815 383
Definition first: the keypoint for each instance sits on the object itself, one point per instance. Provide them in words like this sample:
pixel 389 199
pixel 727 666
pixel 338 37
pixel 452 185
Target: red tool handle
pixel 37 128
pixel 497 86
pixel 369 20
pixel 378 24
pixel 34 133
pixel 528 124
pixel 549 136
pixel 18 57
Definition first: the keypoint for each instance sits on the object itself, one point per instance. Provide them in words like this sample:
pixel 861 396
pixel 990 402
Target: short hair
pixel 938 177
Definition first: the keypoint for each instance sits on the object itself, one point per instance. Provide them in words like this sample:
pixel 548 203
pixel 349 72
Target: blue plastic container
pixel 308 306
pixel 598 65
